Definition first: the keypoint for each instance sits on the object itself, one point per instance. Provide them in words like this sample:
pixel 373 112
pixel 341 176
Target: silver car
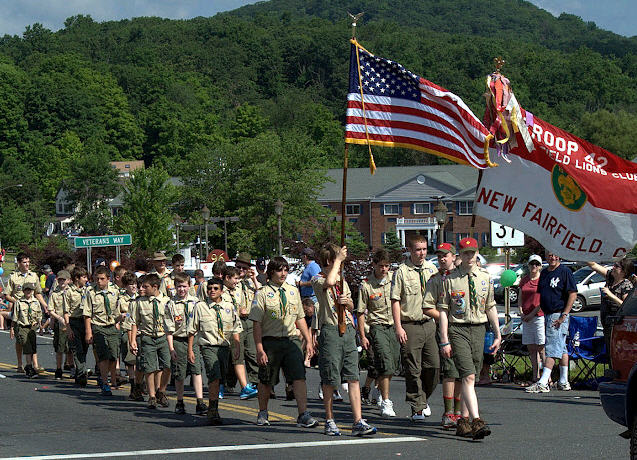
pixel 588 283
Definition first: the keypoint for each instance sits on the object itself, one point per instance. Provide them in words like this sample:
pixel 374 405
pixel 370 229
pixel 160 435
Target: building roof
pixel 401 183
pixel 127 166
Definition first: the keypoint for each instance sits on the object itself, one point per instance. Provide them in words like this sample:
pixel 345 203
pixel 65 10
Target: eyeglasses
pixel 213 288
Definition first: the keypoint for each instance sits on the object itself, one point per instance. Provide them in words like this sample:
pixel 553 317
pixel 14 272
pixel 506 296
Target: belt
pixel 467 324
pixel 422 321
pixel 269 337
pixel 244 318
pixel 180 339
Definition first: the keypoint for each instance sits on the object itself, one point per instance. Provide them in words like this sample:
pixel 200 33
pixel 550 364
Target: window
pixel 422 208
pixel 389 209
pixel 383 238
pixel 461 236
pixel 353 220
pixel 465 208
pixel 391 220
pixel 449 207
pixel 353 209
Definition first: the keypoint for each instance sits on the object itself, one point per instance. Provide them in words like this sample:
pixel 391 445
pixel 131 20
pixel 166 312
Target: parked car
pixel 588 283
pixel 619 396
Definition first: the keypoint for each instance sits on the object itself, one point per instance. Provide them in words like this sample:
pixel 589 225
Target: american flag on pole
pixel 390 106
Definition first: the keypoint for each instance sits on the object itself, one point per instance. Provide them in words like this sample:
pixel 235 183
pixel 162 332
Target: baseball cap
pixel 308 252
pixel 46 268
pixel 28 286
pixel 64 275
pixel 468 244
pixel 535 258
pixel 446 248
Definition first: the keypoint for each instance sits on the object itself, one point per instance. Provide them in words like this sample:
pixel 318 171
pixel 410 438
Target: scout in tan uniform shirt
pixel 338 355
pixel 374 298
pixel 248 286
pixel 415 331
pixel 73 297
pixel 27 316
pixel 179 312
pixel 276 314
pixel 100 309
pixel 217 326
pixel 56 310
pixel 14 291
pixel 159 268
pixel 466 305
pixel 147 316
pixel 451 390
pixel 126 298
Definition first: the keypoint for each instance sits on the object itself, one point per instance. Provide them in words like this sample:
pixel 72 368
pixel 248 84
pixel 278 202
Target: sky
pixel 620 16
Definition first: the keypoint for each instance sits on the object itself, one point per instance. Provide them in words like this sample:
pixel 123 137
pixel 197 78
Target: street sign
pixel 505 237
pixel 102 241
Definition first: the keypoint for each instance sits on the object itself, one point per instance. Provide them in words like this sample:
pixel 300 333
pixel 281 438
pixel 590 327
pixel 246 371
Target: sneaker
pixel 374 397
pixel 387 409
pixel 362 428
pixel 180 408
pixel 320 392
pixel 82 380
pixel 100 382
pixel 106 390
pixel 306 420
pixel 449 421
pixel 426 411
pixel 463 428
pixel 418 417
pixel 248 393
pixel 330 428
pixel 162 400
pixel 262 418
pixel 58 374
pixel 537 388
pixel 365 395
pixel 564 386
pixel 337 396
pixel 136 393
pixel 221 391
pixel 33 373
pixel 479 430
pixel 201 408
pixel 152 403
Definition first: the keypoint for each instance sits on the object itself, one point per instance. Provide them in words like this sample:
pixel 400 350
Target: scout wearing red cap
pixel 468 244
pixel 446 248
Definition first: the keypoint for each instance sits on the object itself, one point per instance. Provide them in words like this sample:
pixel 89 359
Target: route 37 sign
pixel 505 237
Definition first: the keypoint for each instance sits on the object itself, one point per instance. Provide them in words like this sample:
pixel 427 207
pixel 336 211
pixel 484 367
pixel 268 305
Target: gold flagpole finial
pixel 499 63
pixel 355 18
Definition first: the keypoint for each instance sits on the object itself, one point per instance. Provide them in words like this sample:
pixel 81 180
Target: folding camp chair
pixel 585 349
pixel 510 360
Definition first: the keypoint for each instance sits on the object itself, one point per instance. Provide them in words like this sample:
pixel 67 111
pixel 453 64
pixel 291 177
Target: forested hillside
pixel 204 98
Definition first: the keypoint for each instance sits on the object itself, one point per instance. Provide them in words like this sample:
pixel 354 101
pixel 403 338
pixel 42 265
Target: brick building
pixel 401 199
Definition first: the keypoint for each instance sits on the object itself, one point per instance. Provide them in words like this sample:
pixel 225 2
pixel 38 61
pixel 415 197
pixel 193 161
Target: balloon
pixel 114 264
pixel 1 271
pixel 507 278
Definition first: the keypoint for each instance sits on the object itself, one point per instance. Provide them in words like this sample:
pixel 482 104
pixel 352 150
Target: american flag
pixel 390 106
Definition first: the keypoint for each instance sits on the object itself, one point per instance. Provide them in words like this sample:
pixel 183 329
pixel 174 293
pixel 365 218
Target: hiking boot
pixel 262 418
pixel 152 403
pixel 387 409
pixel 448 421
pixel 180 408
pixel 538 387
pixel 479 429
pixel 58 374
pixel 362 428
pixel 201 408
pixel 214 418
pixel 330 428
pixel 306 420
pixel 136 393
pixel 463 428
pixel 162 400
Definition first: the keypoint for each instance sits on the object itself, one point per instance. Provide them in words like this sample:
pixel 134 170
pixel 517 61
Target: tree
pixel 15 228
pixel 147 209
pixel 393 246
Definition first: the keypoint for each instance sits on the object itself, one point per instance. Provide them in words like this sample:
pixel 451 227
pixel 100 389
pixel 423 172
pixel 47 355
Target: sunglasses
pixel 537 264
pixel 213 288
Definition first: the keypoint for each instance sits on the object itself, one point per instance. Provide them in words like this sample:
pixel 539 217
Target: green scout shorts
pixel 386 349
pixel 467 345
pixel 154 353
pixel 182 367
pixel 124 352
pixel 27 337
pixel 338 356
pixel 216 359
pixel 106 342
pixel 283 353
pixel 242 342
pixel 60 339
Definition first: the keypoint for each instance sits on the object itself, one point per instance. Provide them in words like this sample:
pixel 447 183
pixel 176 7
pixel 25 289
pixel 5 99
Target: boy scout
pixel 215 323
pixel 415 331
pixel 147 316
pixel 73 298
pixel 338 355
pixel 27 315
pixel 101 312
pixel 275 314
pixel 249 286
pixel 451 390
pixel 374 297
pixel 56 310
pixel 14 291
pixel 127 295
pixel 159 268
pixel 233 294
pixel 200 285
pixel 179 312
pixel 465 306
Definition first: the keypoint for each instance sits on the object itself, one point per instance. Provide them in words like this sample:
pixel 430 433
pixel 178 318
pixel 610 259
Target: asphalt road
pixel 52 418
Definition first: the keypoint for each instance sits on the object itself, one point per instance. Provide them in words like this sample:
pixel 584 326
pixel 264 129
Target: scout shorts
pixel 215 359
pixel 27 337
pixel 106 342
pixel 338 356
pixel 182 367
pixel 467 345
pixel 154 353
pixel 283 353
pixel 60 339
pixel 555 338
pixel 533 331
pixel 127 357
pixel 386 349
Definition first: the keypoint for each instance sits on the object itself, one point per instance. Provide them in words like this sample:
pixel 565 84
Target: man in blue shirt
pixel 310 271
pixel 557 293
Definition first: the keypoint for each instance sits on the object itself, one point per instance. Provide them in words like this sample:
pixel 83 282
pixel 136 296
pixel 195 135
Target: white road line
pixel 44 337
pixel 191 450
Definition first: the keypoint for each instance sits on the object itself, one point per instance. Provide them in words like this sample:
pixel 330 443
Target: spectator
pixel 532 316
pixel 262 277
pixel 558 291
pixel 48 280
pixel 310 271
